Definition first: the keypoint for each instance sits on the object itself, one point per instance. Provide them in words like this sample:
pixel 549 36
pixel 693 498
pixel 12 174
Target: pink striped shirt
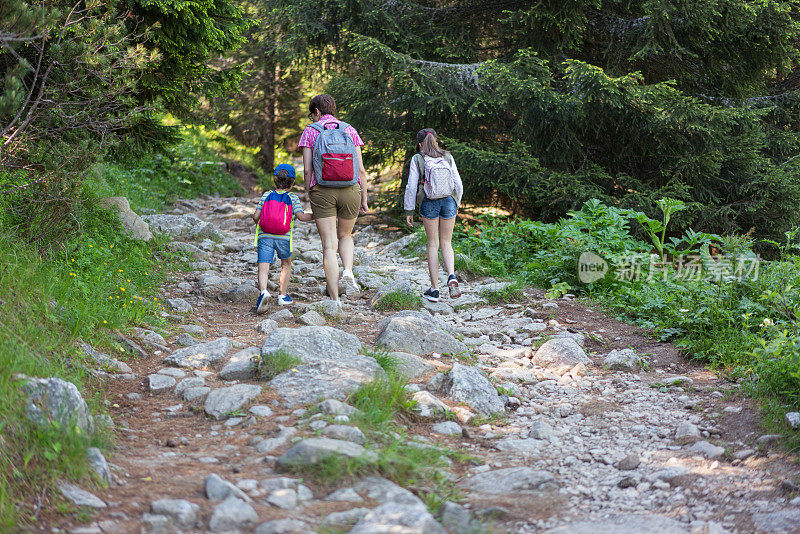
pixel 310 136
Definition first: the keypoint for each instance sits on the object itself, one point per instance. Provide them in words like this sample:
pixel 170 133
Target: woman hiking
pixel 336 183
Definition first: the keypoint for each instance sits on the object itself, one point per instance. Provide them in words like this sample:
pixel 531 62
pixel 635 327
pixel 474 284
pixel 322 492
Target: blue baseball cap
pixel 285 166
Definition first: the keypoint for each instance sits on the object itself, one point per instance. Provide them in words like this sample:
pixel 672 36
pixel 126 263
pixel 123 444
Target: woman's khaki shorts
pixel 342 202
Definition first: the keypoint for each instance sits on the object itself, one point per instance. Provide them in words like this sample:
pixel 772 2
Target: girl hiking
pixel 439 197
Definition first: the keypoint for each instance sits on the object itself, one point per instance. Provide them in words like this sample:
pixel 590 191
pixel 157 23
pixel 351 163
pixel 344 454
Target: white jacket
pixel 410 197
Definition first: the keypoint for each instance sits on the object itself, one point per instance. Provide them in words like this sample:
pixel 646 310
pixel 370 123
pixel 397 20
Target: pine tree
pixel 546 104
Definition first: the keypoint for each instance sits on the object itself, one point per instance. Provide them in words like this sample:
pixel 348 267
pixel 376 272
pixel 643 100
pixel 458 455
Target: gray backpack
pixel 334 156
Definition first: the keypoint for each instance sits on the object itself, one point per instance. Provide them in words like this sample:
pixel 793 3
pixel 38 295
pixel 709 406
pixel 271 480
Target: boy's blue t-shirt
pixel 295 208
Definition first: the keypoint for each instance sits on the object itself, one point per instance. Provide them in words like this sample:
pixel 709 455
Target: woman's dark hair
pixel 324 103
pixel 282 180
pixel 429 143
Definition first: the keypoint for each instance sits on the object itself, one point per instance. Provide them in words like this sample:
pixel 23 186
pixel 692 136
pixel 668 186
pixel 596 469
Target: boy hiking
pixel 439 197
pixel 276 209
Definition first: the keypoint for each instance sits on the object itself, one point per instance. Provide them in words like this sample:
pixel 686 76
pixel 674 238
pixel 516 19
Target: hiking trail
pixel 605 429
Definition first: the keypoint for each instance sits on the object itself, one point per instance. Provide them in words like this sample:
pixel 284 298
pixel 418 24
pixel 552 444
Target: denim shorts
pixel 268 246
pixel 441 208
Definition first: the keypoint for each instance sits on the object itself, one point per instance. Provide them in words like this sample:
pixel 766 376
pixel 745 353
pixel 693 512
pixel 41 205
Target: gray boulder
pixel 242 365
pixel 622 360
pixel 395 517
pixel 410 365
pixel 336 407
pixel 333 367
pixel 313 450
pixel 510 479
pixel 221 402
pixel 417 333
pixel 447 428
pixel 469 385
pixel 232 515
pixel 133 224
pixel 200 355
pixel 54 399
pixel 560 351
pixel 196 394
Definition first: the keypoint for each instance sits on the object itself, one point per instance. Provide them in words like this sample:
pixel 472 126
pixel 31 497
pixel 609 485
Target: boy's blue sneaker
pixel 261 303
pixel 284 300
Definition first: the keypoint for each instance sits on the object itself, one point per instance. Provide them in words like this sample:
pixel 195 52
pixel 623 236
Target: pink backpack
pixel 276 214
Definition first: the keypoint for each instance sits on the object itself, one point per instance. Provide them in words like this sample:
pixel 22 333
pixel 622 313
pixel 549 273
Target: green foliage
pixel 272 364
pixel 92 282
pixel 185 170
pixel 387 362
pixel 382 401
pixel 546 105
pixel 776 367
pixel 723 313
pixel 399 300
pixel 509 293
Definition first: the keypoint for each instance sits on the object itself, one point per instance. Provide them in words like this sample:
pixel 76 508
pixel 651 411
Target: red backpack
pixel 276 214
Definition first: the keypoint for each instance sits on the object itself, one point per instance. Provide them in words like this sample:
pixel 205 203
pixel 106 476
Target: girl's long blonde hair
pixel 429 144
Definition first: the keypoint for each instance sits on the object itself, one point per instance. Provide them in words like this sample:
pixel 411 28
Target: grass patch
pixel 272 364
pixel 399 300
pixel 384 405
pixel 381 355
pixel 92 283
pixel 511 293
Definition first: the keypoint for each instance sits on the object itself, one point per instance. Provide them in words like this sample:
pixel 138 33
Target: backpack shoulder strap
pixel 420 166
pixel 317 126
pixel 343 125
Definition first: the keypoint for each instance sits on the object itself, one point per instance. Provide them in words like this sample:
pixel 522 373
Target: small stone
pixel 336 407
pixel 260 410
pixel 190 382
pixel 447 428
pixel 743 454
pixel 98 464
pixel 707 449
pixel 629 463
pixel 312 318
pixel 158 383
pixel 769 438
pixel 232 515
pixel 283 498
pixel 217 488
pixel 347 433
pixel 80 497
pixel 793 419
pixel 622 360
pixel 282 315
pixel 268 326
pixel 541 430
pixel 182 513
pixel 221 402
pixel 627 482
pixel 686 432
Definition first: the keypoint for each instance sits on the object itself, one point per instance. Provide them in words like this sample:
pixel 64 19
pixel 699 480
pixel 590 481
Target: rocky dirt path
pixel 599 428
